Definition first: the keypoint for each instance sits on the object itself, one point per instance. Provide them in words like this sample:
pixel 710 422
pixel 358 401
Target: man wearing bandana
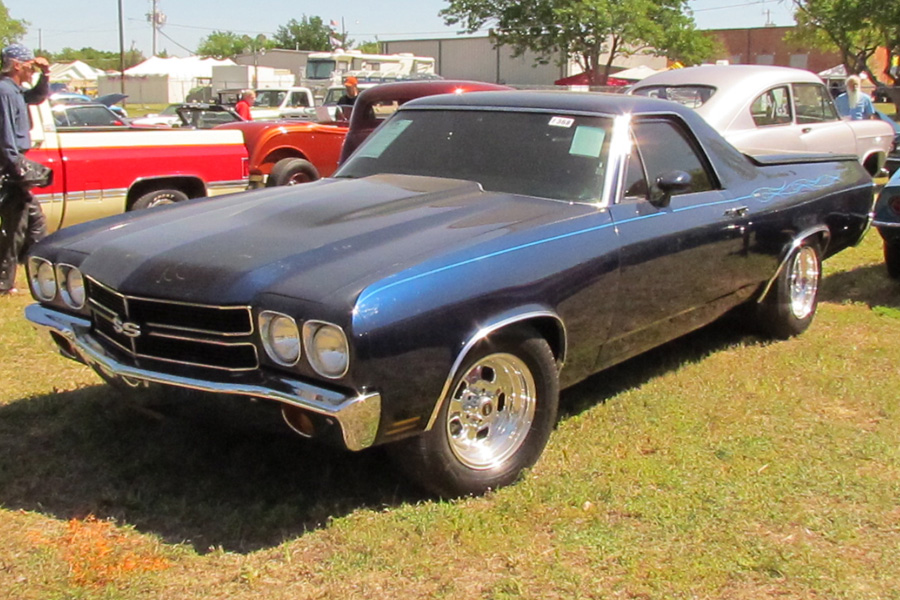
pixel 854 103
pixel 21 220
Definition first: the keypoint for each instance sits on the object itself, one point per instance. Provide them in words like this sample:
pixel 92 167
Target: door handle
pixel 806 130
pixel 740 211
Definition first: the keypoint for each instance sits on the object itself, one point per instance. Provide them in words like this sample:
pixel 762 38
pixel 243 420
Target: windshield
pixel 529 153
pixel 691 96
pixel 319 69
pixel 269 98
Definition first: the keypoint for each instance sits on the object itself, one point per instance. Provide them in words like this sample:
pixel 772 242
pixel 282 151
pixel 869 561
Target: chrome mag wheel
pixel 491 411
pixel 804 282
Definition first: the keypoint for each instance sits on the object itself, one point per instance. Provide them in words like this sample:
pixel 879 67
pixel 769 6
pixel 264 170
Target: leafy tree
pixel 309 33
pixel 586 29
pixel 224 44
pixel 11 30
pixel 369 48
pixel 843 24
pixel 99 59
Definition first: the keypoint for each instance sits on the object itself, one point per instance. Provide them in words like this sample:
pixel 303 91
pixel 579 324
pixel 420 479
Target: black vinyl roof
pixel 581 102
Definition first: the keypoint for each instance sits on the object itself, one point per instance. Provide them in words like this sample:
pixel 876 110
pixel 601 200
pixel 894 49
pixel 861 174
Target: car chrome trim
pixel 358 416
pixel 796 243
pixel 128 297
pixel 885 224
pixel 483 333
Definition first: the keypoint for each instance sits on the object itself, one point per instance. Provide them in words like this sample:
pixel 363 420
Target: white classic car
pixel 771 109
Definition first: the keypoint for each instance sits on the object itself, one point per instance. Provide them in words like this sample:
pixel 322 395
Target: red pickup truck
pixel 288 152
pixel 107 170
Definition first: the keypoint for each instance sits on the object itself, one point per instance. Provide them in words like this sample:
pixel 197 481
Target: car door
pixel 772 125
pixel 817 121
pixel 681 262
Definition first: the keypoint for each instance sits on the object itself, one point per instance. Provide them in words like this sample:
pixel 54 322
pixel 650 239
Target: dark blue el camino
pixel 475 255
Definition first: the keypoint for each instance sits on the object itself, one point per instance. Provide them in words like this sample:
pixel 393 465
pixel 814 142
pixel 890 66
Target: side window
pixel 813 103
pixel 772 108
pixel 298 99
pixel 664 147
pixel 635 179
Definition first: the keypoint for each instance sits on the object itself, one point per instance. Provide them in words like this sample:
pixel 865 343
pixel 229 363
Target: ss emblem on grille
pixel 126 328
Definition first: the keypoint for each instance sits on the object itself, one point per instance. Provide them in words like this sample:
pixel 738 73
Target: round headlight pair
pixel 325 344
pixel 71 283
pixel 281 337
pixel 42 279
pixel 327 349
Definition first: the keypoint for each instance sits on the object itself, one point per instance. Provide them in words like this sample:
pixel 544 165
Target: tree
pixel 586 29
pixel 843 24
pixel 309 33
pixel 369 47
pixel 99 59
pixel 224 44
pixel 11 30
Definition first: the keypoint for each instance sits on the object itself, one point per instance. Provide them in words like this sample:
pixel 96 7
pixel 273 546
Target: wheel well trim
pixel 880 159
pixel 274 155
pixel 796 243
pixel 489 329
pixel 185 183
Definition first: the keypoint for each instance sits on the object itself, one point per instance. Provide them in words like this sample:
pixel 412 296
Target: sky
pixel 57 24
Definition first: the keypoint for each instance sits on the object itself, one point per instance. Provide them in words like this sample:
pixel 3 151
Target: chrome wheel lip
pixel 803 283
pixel 491 411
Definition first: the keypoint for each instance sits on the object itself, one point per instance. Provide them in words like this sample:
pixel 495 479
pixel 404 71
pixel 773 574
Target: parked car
pixel 475 254
pixel 276 103
pixel 290 152
pixel 86 115
pixel 109 100
pixel 104 169
pixel 192 115
pixel 887 222
pixel 771 108
pixel 167 117
pixel 893 159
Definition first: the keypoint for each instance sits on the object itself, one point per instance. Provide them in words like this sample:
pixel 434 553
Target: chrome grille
pixel 147 329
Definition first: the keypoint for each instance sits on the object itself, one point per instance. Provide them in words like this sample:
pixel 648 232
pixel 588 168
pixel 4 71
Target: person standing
pixel 243 105
pixel 22 221
pixel 854 103
pixel 351 92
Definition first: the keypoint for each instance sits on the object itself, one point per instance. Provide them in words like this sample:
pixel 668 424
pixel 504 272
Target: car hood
pixel 323 242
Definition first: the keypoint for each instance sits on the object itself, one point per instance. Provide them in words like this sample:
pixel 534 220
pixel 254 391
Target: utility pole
pixel 121 49
pixel 156 19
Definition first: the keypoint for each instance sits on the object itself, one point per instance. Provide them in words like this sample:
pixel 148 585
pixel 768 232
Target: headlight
pixel 326 348
pixel 281 337
pixel 42 279
pixel 71 285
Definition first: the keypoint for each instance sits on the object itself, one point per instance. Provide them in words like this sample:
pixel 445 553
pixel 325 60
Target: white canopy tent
pixel 162 80
pixel 78 76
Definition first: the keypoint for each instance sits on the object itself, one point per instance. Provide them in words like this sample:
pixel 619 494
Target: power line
pixel 742 5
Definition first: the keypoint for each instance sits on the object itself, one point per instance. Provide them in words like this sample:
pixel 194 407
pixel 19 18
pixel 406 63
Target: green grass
pixel 719 466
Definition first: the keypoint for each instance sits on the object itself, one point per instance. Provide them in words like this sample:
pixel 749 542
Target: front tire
pixel 790 305
pixel 892 258
pixel 292 171
pixel 158 198
pixel 494 423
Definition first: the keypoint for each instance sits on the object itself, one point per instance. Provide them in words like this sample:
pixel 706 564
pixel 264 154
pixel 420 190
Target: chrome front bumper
pixel 358 416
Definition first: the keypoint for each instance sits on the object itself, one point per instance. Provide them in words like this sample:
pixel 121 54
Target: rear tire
pixel 158 198
pixel 292 171
pixel 892 258
pixel 790 305
pixel 494 423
